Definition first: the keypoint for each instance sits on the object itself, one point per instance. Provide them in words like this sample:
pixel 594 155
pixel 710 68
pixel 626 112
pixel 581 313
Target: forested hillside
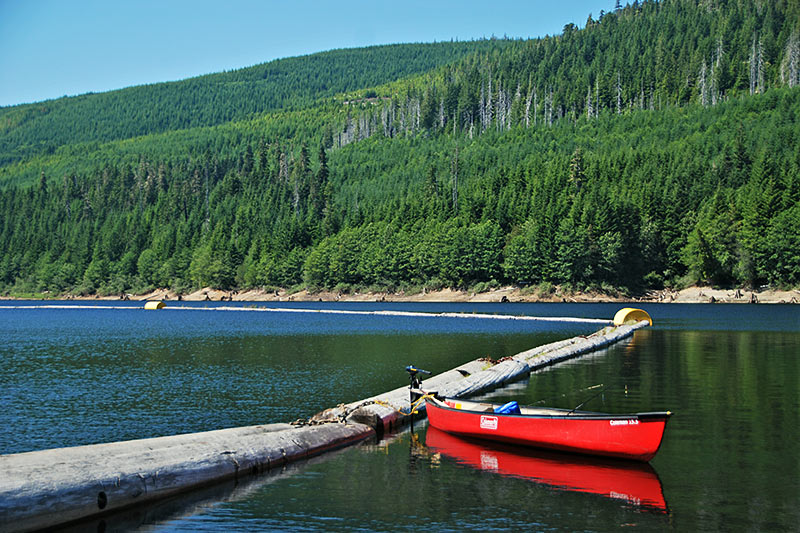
pixel 215 98
pixel 656 146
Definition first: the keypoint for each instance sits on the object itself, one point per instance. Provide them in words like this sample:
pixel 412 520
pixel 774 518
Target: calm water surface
pixel 728 461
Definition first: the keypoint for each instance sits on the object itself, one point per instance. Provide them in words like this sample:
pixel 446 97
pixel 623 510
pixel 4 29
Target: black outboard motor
pixel 415 392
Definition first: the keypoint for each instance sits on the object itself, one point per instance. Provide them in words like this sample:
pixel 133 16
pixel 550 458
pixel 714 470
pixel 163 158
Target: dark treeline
pixel 570 160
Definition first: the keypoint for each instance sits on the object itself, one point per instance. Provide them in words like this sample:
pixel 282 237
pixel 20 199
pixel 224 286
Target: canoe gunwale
pixel 563 414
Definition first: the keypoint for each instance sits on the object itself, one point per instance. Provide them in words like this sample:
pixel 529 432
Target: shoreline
pixel 693 294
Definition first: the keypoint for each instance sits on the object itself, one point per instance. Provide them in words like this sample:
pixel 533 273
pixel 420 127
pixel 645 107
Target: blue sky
pixel 52 48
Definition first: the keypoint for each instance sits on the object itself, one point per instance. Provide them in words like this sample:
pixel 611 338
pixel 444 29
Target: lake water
pixel 728 460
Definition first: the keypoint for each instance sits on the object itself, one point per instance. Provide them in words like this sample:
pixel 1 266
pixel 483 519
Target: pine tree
pixel 576 174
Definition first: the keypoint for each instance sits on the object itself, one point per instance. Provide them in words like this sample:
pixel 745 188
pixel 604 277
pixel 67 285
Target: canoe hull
pixel 636 437
pixel 633 482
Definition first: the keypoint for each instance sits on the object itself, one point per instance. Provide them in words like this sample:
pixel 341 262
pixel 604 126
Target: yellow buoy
pixel 154 305
pixel 631 315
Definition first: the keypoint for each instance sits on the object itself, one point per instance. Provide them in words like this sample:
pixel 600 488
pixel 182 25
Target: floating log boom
pixel 43 489
pixel 46 488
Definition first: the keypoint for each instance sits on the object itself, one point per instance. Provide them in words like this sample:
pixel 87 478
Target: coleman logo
pixel 631 422
pixel 488 422
pixel 488 460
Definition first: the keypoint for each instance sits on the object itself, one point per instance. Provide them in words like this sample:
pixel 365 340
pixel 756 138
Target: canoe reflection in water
pixel 635 483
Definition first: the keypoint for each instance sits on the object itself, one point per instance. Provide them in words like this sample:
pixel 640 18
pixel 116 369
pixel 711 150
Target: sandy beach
pixel 503 294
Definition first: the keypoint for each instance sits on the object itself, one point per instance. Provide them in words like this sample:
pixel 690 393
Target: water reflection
pixel 636 484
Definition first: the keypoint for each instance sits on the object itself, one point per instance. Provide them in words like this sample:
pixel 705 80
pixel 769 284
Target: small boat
pixel 631 436
pixel 635 483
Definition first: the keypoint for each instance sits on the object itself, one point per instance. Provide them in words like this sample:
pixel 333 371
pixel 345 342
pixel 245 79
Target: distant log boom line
pixel 409 314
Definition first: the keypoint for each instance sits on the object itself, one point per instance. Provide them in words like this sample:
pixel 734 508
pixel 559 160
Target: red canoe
pixel 632 436
pixel 635 483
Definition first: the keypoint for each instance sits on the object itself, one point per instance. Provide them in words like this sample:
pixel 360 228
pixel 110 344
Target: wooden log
pixel 45 488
